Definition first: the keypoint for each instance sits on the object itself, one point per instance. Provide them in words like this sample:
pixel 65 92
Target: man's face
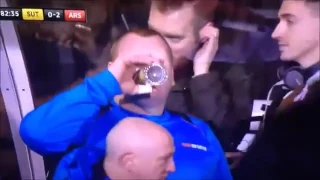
pixel 178 30
pixel 157 162
pixel 297 32
pixel 156 48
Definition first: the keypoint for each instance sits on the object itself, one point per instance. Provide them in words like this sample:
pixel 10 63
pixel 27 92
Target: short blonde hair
pixel 200 7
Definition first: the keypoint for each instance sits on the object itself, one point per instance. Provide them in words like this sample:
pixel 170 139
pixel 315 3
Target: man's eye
pixel 167 158
pixel 175 40
pixel 290 21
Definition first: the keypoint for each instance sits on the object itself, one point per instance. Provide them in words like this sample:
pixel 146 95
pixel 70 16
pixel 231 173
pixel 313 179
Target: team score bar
pixel 28 14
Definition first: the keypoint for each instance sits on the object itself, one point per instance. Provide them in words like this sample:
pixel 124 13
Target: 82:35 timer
pixel 10 14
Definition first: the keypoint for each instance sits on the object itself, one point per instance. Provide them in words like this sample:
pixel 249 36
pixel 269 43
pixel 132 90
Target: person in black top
pixel 220 93
pixel 288 146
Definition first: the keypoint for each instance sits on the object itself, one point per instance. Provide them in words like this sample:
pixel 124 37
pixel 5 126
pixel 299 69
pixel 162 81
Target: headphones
pixel 293 75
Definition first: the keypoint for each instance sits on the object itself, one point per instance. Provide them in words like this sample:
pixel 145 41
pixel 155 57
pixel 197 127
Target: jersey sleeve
pixel 53 126
pixel 222 171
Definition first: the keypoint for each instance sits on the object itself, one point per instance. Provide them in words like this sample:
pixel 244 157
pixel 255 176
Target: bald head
pixel 134 148
pixel 135 135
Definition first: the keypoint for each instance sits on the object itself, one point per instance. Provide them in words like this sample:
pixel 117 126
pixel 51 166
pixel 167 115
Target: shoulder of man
pixel 298 122
pixel 199 123
pixel 204 127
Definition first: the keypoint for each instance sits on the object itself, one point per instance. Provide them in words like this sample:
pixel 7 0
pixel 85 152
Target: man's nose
pixel 277 32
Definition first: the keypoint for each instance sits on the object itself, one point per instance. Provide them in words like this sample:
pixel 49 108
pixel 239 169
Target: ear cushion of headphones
pixel 292 77
pixel 281 72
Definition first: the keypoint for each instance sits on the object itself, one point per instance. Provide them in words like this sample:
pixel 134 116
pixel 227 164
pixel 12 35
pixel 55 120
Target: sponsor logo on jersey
pixel 195 146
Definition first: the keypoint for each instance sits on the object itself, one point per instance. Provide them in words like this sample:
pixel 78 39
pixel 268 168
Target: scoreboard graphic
pixel 29 14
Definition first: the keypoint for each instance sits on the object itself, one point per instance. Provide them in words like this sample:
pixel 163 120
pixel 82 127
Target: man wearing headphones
pixel 299 48
pixel 298 38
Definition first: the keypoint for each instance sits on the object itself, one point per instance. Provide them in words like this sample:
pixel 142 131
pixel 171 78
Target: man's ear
pixel 106 164
pixel 127 161
pixel 173 81
pixel 109 63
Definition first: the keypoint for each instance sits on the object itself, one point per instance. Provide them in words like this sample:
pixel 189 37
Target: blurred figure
pixel 60 53
pixel 245 37
pixel 77 121
pixel 144 151
pixel 80 36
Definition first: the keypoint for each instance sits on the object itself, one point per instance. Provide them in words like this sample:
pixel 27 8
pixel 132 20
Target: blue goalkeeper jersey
pixel 72 119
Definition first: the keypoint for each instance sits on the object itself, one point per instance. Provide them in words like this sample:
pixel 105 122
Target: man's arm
pixel 209 102
pixel 52 127
pixel 224 96
pixel 212 102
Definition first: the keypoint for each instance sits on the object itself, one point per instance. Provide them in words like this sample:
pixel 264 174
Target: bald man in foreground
pixel 144 151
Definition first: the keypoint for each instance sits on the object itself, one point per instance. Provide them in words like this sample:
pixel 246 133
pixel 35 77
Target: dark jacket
pixel 224 96
pixel 288 147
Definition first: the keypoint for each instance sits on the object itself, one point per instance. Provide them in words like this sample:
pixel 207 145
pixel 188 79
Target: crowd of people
pixel 196 124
